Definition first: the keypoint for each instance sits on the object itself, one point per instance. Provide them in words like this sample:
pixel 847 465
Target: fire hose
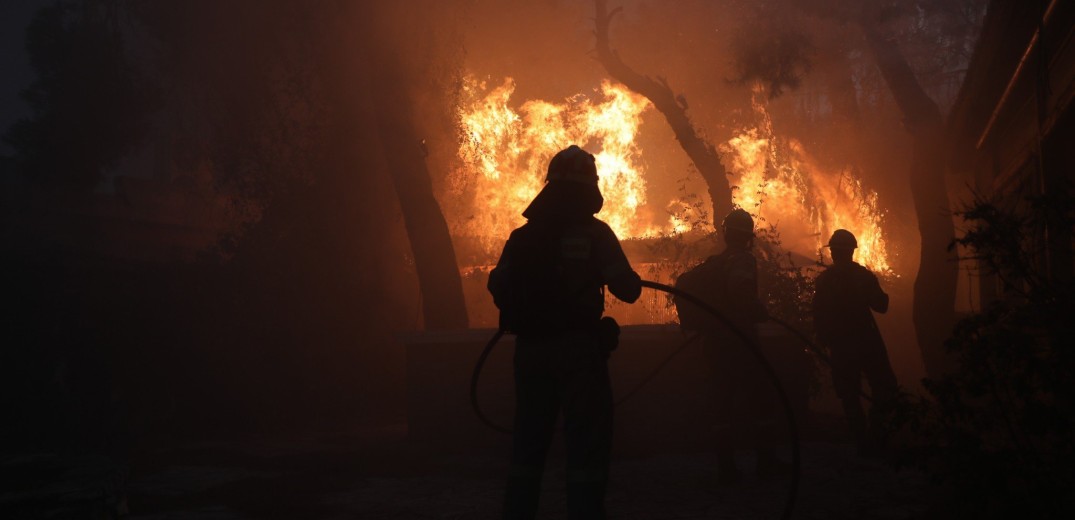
pixel 748 343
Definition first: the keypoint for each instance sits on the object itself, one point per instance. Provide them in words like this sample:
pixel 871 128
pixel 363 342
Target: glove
pixel 608 331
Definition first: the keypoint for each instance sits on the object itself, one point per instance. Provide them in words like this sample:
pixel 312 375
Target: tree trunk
pixel 443 305
pixel 935 286
pixel 674 108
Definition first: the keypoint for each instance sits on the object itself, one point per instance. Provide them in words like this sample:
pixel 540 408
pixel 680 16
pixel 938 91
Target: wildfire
pixel 780 184
pixel 504 153
pixel 510 151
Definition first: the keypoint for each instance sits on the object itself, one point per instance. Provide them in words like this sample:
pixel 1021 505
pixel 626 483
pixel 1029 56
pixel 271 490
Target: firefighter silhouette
pixel 845 294
pixel 743 402
pixel 549 286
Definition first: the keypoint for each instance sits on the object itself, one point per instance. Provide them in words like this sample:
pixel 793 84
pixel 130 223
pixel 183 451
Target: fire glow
pixel 504 153
pixel 780 184
pixel 510 151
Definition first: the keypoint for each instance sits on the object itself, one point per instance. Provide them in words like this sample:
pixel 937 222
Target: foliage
pixel 679 251
pixel 785 287
pixel 787 290
pixel 787 43
pixel 925 26
pixel 686 247
pixel 269 100
pixel 778 56
pixel 245 96
pixel 999 433
pixel 90 104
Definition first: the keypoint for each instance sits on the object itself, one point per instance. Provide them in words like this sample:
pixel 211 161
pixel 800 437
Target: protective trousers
pixel 744 403
pixel 567 373
pixel 849 364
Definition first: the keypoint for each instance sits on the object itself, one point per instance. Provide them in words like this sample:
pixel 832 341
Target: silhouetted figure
pixel 549 287
pixel 845 294
pixel 743 397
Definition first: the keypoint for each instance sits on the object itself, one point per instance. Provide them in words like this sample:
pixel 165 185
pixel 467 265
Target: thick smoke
pixel 274 114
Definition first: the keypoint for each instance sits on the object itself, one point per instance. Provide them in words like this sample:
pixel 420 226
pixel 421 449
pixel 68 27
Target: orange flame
pixel 511 149
pixel 505 152
pixel 779 183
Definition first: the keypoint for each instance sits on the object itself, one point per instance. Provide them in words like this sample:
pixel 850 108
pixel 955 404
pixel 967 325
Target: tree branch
pixel 674 108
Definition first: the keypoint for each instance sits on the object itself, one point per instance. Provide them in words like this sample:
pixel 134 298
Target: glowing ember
pixel 778 183
pixel 510 151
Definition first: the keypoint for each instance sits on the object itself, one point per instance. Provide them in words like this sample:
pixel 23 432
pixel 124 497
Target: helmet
pixel 573 164
pixel 842 239
pixel 739 220
pixel 571 187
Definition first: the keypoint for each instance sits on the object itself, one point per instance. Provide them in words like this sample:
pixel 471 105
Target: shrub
pixel 997 433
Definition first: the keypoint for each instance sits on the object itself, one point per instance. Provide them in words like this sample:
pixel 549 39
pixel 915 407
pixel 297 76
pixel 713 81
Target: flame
pixel 777 182
pixel 506 152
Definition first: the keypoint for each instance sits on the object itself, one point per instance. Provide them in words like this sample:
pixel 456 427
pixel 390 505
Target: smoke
pixel 270 109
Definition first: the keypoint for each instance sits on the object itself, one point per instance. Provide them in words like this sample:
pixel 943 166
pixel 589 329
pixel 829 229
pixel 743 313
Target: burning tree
pixel 506 142
pixel 674 108
pixel 505 151
pixel 932 23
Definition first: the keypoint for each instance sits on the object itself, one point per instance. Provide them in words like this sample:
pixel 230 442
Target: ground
pixel 383 476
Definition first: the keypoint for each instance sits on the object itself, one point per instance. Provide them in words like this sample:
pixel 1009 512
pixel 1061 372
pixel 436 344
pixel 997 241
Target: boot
pixel 521 498
pixel 727 473
pixel 586 500
pixel 771 467
pixel 856 420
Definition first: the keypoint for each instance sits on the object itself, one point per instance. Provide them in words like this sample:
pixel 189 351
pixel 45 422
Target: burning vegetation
pixel 229 213
pixel 505 152
pixel 504 149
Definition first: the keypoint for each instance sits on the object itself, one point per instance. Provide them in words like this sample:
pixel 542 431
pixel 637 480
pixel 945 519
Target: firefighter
pixel 549 286
pixel 742 400
pixel 845 294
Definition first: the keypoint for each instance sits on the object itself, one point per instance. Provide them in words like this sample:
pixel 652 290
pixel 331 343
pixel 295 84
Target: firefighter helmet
pixel 842 239
pixel 739 220
pixel 573 164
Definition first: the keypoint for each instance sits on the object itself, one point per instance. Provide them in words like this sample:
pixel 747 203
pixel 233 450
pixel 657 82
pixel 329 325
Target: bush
pixel 997 434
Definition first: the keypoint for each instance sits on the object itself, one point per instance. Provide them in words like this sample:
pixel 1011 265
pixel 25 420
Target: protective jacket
pixel 741 400
pixel 727 281
pixel 548 285
pixel 551 275
pixel 845 295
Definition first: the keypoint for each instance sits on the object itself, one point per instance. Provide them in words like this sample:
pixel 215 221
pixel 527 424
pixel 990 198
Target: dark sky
pixel 14 16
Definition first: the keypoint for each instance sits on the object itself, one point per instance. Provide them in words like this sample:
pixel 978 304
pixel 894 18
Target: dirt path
pixel 385 477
